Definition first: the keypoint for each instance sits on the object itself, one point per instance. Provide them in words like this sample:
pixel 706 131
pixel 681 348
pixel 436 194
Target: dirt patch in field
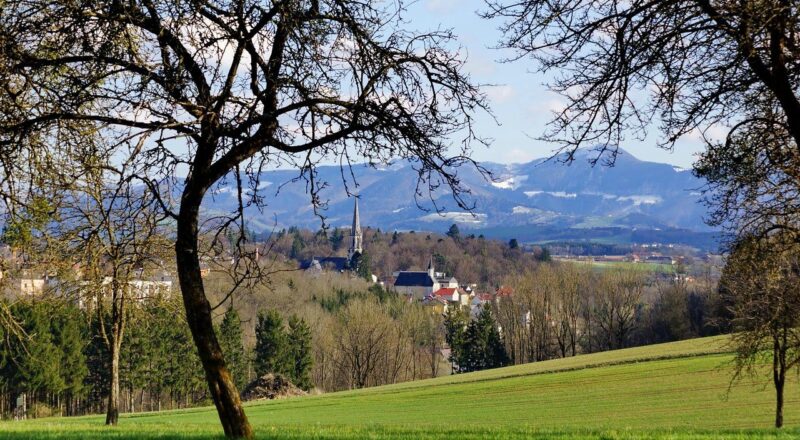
pixel 271 386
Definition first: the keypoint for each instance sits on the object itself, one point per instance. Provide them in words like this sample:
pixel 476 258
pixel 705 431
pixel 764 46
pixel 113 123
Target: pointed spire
pixel 356 219
pixel 431 270
pixel 355 232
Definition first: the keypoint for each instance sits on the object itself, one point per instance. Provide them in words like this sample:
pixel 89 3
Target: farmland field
pixel 626 265
pixel 668 391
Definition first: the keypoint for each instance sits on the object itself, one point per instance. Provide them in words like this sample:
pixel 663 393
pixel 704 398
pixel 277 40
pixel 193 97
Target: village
pixel 431 287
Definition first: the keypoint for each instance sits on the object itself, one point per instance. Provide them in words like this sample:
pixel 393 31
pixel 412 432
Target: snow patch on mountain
pixel 560 194
pixel 511 183
pixel 641 199
pixel 456 216
pixel 522 210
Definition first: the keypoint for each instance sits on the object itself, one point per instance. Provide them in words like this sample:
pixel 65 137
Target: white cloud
pixel 715 132
pixel 500 94
pixel 441 6
pixel 519 155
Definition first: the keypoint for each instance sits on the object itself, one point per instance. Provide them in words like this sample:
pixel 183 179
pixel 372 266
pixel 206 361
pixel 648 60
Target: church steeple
pixel 431 269
pixel 355 233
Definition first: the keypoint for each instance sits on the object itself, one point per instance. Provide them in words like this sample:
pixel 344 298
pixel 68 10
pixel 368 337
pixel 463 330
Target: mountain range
pixel 542 200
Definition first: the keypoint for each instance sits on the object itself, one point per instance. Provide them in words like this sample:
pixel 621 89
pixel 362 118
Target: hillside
pixel 675 390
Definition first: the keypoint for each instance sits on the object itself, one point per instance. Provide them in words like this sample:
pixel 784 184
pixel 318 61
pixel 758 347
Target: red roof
pixel 446 291
pixel 485 296
pixel 505 291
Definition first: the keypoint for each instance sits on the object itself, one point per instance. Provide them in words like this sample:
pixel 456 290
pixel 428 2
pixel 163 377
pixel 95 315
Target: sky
pixel 519 98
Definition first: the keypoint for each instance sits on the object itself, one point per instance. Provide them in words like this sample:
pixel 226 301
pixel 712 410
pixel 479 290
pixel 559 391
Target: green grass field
pixel 627 265
pixel 668 391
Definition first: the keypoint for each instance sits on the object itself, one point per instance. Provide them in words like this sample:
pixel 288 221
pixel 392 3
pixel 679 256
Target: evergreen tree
pixel 336 239
pixel 230 339
pixel 454 232
pixel 39 359
pixel 455 325
pixel 142 338
pixel 485 345
pixel 513 243
pixel 98 378
pixel 363 266
pixel 545 256
pixel 69 334
pixel 475 345
pixel 299 348
pixel 297 247
pixel 271 345
pixel 176 370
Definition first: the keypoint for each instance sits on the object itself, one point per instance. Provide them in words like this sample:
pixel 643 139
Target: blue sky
pixel 520 100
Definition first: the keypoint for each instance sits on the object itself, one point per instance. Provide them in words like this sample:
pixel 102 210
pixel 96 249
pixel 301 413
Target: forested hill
pixel 578 201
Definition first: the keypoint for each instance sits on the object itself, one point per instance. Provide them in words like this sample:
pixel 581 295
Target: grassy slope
pixel 667 391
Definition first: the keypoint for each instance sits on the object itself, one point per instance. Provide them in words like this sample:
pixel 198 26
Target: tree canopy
pixel 186 94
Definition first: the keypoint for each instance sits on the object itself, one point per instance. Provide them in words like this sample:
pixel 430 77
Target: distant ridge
pixel 633 195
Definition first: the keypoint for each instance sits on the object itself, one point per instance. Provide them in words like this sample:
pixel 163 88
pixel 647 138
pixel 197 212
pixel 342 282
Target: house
pixel 416 284
pixel 659 259
pixel 446 281
pixel 205 269
pixel 478 301
pixel 419 284
pixel 137 289
pixel 453 295
pixel 33 285
pixel 148 288
pixel 339 264
pixel 436 304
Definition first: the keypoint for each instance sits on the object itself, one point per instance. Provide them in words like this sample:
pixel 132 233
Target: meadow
pixel 679 390
pixel 627 265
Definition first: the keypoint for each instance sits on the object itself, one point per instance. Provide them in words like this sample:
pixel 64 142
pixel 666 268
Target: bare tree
pixel 688 64
pixel 363 342
pixel 189 94
pixel 760 285
pixel 754 177
pixel 572 283
pixel 510 312
pixel 112 231
pixel 616 301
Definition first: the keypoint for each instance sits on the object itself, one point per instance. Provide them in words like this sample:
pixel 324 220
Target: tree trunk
pixel 779 405
pixel 198 314
pixel 779 376
pixel 112 411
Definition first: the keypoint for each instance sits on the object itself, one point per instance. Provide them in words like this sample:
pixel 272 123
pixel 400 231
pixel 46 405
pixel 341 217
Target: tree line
pixel 560 310
pixel 59 365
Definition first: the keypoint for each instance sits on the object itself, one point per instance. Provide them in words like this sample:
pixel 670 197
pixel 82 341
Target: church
pixel 341 264
pixel 421 284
